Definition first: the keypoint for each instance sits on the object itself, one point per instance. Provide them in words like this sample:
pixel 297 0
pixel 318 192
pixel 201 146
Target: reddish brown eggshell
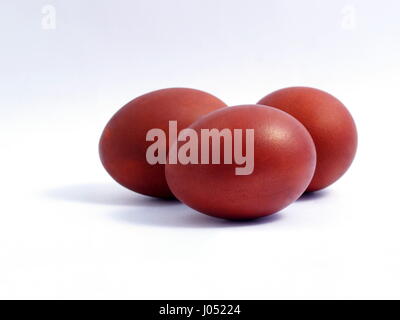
pixel 123 143
pixel 330 125
pixel 284 163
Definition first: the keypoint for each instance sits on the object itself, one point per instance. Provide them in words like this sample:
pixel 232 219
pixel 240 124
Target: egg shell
pixel 284 163
pixel 123 143
pixel 330 125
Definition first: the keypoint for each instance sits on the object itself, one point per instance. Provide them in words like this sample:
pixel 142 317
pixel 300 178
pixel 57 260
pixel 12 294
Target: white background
pixel 67 230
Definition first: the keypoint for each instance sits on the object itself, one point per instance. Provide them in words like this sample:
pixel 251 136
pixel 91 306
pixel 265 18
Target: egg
pixel 244 162
pixel 330 124
pixel 124 142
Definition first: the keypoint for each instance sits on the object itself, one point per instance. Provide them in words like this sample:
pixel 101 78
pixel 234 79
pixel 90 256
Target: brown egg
pixel 264 162
pixel 330 125
pixel 123 144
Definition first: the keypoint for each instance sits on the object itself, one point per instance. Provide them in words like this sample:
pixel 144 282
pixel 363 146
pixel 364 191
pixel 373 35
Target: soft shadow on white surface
pixel 104 194
pixel 142 210
pixel 185 217
pixel 316 195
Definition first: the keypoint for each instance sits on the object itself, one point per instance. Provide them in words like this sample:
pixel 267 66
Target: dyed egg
pixel 124 142
pixel 242 162
pixel 330 125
